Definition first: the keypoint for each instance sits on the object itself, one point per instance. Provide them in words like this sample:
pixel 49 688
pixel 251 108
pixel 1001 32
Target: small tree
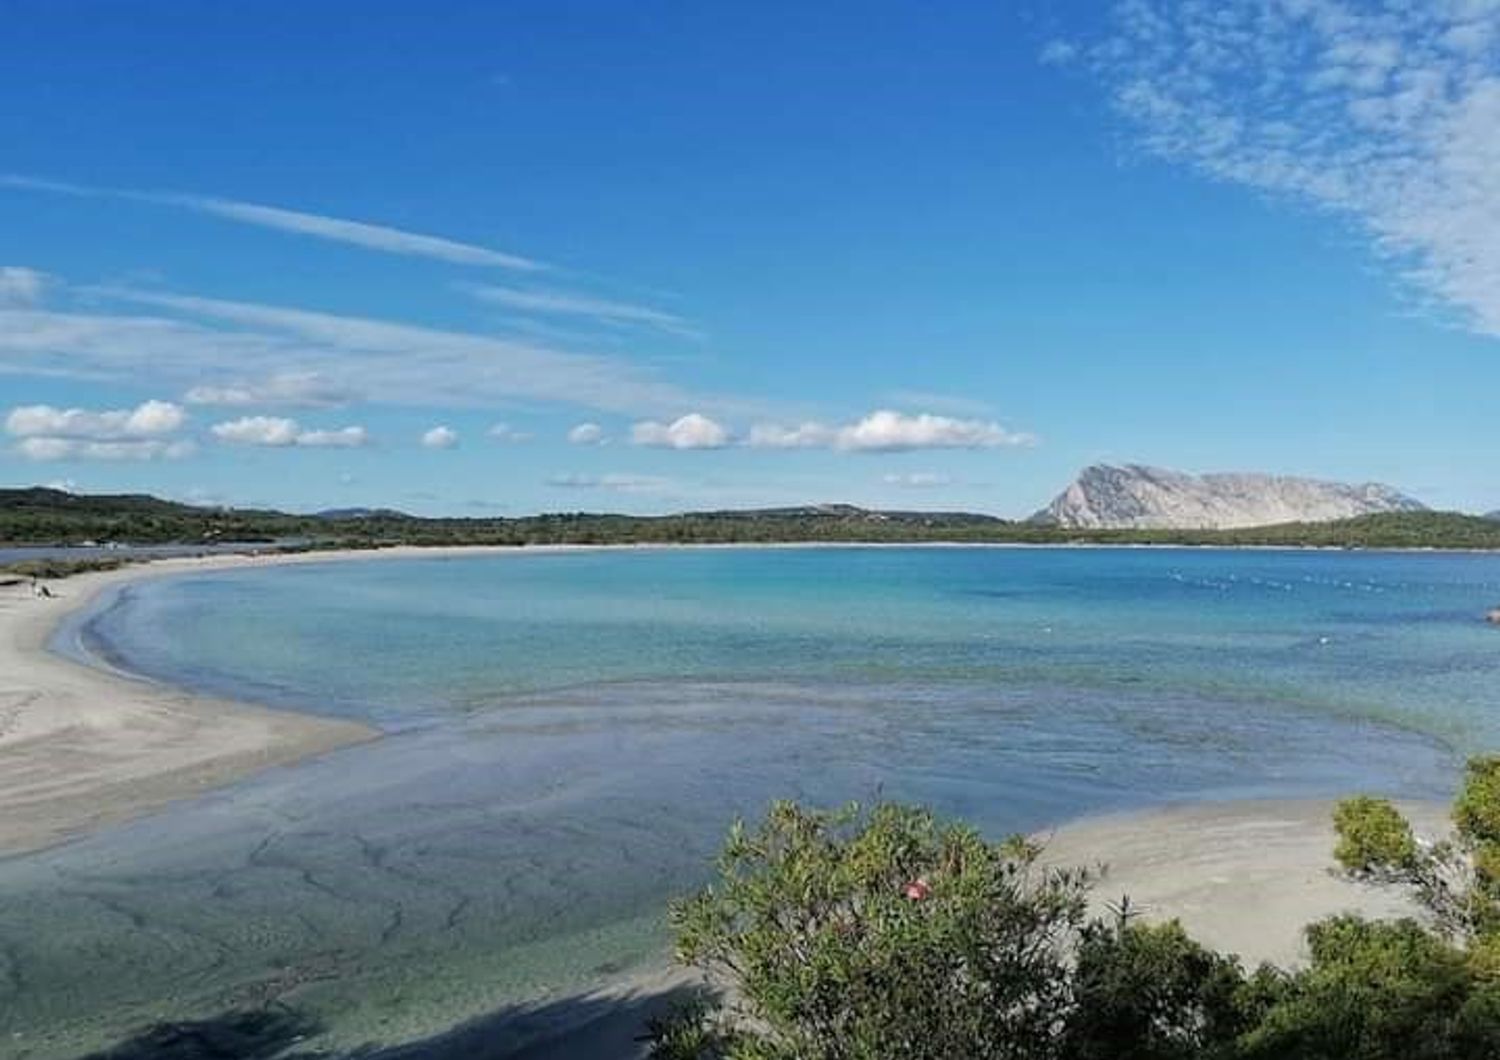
pixel 1379 991
pixel 1457 880
pixel 1149 992
pixel 1373 837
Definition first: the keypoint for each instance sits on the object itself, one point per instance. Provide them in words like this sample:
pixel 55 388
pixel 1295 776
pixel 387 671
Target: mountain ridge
pixel 1141 497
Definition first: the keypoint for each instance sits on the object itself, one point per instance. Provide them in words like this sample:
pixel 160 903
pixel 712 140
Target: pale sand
pixel 1243 877
pixel 81 748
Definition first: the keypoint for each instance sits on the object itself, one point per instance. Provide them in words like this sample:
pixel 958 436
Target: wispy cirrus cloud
pixel 567 303
pixel 944 404
pixel 654 485
pixel 307 389
pixel 1384 113
pixel 297 222
pixel 180 340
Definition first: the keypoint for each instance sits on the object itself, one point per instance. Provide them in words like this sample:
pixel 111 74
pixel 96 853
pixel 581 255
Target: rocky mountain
pixel 1137 497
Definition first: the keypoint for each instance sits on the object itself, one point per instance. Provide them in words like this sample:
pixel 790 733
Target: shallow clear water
pixel 571 733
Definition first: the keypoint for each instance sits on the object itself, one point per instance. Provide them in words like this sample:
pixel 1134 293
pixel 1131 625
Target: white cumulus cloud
pixel 146 419
pixel 586 434
pixel 20 286
pixel 917 480
pixel 281 432
pixel 809 435
pixel 1384 113
pixel 44 448
pixel 50 433
pixel 258 430
pixel 338 438
pixel 888 431
pixel 504 432
pixel 693 431
pixel 440 437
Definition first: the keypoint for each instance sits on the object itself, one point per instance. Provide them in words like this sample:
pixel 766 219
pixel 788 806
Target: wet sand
pixel 81 747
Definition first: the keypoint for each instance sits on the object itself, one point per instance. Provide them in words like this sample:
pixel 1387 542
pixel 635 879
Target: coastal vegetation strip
pixel 54 518
pixel 887 932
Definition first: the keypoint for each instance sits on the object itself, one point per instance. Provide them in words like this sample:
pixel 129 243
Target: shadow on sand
pixel 588 1027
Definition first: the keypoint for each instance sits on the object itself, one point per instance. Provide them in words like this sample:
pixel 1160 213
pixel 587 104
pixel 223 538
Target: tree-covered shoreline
pixel 54 518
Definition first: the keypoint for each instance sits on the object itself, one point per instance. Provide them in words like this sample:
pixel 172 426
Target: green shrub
pixel 1476 811
pixel 889 934
pixel 1149 992
pixel 883 934
pixel 1373 836
pixel 1379 991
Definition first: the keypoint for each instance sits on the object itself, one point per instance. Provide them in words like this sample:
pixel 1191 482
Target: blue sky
pixel 660 256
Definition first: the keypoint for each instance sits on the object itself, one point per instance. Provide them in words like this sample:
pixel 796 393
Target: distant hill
pixel 1134 496
pixel 342 514
pixel 850 513
pixel 52 517
pixel 45 499
pixel 47 516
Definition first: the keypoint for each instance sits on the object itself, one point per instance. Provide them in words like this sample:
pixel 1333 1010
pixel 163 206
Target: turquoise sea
pixel 571 733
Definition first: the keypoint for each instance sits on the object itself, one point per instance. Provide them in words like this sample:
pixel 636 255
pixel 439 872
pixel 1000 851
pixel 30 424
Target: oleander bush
pixel 882 934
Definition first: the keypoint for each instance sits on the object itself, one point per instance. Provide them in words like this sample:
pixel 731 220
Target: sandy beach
pixel 81 747
pixel 1243 877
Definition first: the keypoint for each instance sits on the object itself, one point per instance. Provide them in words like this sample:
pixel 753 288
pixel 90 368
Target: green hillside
pixel 52 517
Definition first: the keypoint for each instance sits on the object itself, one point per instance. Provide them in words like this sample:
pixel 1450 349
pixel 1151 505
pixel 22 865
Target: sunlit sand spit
pixel 81 747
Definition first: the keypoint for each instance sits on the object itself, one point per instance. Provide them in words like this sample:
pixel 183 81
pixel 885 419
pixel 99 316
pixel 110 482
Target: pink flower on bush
pixel 918 889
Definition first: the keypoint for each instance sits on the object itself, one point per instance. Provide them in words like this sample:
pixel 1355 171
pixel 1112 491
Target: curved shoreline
pixel 85 744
